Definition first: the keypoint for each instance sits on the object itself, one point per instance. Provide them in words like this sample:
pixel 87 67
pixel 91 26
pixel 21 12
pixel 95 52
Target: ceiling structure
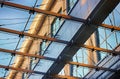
pixel 66 46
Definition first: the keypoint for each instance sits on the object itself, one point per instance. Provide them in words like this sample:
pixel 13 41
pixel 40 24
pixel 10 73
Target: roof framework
pixel 94 20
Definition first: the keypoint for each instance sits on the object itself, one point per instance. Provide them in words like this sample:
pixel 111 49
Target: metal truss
pixel 68 17
pixel 93 21
pixel 53 59
pixel 57 40
pixel 37 72
pixel 31 9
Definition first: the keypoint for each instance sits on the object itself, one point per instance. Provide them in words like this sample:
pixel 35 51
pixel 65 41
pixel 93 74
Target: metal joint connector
pixel 21 35
pixel 2 4
pixel 32 11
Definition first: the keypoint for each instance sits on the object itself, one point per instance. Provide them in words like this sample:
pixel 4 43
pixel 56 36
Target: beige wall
pixel 92 55
pixel 45 29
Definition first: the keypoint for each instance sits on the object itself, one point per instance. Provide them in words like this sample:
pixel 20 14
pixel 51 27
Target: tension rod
pixel 41 11
pixel 91 66
pixel 26 54
pixel 110 27
pixel 57 40
pixel 54 14
pixel 32 35
pixel 37 72
pixel 53 59
pixel 21 70
pixel 100 49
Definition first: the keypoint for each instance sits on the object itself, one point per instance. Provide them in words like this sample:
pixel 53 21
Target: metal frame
pixel 92 66
pixel 96 17
pixel 57 40
pixel 110 27
pixel 31 9
pixel 26 54
pixel 68 17
pixel 31 35
pixel 53 59
pixel 100 49
pixel 37 72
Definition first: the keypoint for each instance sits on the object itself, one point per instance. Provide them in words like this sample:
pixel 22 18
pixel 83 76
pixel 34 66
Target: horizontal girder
pixel 56 40
pixel 41 11
pixel 36 72
pixel 53 59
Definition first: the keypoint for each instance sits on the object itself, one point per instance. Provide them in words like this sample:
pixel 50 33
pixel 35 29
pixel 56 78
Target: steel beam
pixel 31 35
pixel 93 19
pixel 97 16
pixel 53 59
pixel 37 72
pixel 110 27
pixel 65 77
pixel 21 70
pixel 91 66
pixel 100 49
pixel 41 11
pixel 54 14
pixel 26 54
pixel 57 40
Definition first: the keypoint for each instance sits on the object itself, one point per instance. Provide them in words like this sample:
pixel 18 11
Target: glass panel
pixel 56 24
pixel 70 4
pixel 43 46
